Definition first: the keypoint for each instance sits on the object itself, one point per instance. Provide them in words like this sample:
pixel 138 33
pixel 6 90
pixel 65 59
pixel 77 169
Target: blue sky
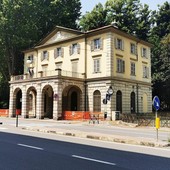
pixel 88 5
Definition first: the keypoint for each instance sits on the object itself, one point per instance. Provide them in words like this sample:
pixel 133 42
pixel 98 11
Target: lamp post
pixel 109 93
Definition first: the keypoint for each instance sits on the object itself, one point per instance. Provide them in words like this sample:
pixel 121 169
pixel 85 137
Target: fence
pixel 146 119
pixel 4 112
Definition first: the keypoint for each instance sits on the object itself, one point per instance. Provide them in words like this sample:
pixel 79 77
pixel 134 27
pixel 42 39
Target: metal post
pixel 156 127
pixel 17 120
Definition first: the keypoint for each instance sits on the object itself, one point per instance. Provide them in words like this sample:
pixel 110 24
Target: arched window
pixel 132 101
pixel 119 101
pixel 97 101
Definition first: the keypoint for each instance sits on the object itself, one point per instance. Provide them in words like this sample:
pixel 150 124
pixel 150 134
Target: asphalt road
pixel 21 152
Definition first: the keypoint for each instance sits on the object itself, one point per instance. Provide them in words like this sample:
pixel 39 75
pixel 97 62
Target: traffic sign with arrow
pixel 156 103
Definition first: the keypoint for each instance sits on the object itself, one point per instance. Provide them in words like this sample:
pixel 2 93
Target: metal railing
pixel 146 119
pixel 42 74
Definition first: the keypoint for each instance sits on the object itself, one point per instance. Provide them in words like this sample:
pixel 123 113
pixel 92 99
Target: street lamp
pixel 109 93
pixel 110 90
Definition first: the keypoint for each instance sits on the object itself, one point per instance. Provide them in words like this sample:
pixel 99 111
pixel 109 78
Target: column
pixel 24 99
pixel 11 103
pixel 57 100
pixel 39 110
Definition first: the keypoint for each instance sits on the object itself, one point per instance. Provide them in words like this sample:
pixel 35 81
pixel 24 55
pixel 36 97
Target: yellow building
pixel 70 70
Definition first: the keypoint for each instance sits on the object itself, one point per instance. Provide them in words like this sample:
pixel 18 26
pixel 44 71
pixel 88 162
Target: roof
pixel 80 34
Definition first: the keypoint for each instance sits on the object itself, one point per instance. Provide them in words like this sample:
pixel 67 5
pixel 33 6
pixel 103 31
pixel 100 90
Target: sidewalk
pixel 78 129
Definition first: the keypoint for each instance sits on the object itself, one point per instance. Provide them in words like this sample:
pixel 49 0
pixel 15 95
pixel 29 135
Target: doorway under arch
pixel 17 102
pixel 71 99
pixel 47 102
pixel 31 102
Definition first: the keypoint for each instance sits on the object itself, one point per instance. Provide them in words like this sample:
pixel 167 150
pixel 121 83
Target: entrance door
pixel 74 101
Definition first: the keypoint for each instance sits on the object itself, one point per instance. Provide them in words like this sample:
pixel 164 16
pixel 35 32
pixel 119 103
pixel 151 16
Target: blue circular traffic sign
pixel 156 103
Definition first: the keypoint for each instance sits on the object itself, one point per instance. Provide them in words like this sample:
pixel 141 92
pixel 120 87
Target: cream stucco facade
pixel 72 70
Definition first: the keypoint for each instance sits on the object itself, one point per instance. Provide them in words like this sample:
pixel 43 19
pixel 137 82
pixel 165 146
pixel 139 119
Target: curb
pixel 97 136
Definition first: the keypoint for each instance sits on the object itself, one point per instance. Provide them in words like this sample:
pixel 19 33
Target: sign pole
pixel 156 127
pixel 156 104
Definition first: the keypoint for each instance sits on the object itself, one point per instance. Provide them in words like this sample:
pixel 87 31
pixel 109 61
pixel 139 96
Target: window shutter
pixel 143 71
pixel 116 45
pixel 78 48
pixel 70 49
pixel 47 55
pixel 92 45
pixel 141 51
pixel 147 72
pixel 136 50
pixel 62 52
pixel 98 65
pixel 123 64
pixel 55 53
pixel 149 53
pixel 146 53
pixel 101 43
pixel 122 45
pixel 42 57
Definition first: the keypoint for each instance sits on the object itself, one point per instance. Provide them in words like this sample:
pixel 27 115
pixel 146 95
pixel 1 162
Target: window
pixel 145 72
pixel 144 52
pixel 120 66
pixel 58 52
pixel 133 48
pixel 119 101
pixel 96 65
pixel 119 44
pixel 96 44
pixel 97 101
pixel 44 55
pixel 31 57
pixel 132 69
pixel 75 49
pixel 133 103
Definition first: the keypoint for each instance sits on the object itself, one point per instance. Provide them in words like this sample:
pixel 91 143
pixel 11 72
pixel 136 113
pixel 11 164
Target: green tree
pixel 128 15
pixel 25 22
pixel 160 38
pixel 94 19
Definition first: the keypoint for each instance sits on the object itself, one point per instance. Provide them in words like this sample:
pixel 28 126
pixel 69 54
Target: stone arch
pixel 72 98
pixel 47 101
pixel 31 99
pixel 17 101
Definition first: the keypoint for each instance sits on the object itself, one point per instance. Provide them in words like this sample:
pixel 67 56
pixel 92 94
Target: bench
pixel 94 117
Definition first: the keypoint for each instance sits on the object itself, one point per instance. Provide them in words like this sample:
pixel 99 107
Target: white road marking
pixel 94 160
pixel 28 146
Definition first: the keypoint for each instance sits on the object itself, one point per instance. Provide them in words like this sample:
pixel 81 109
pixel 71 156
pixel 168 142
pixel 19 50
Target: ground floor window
pixel 119 101
pixel 97 101
pixel 132 102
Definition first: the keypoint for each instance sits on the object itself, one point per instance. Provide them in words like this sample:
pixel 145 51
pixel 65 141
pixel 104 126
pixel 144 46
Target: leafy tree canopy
pixel 128 15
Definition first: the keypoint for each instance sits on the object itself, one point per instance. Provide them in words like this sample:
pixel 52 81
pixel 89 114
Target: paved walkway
pixel 99 131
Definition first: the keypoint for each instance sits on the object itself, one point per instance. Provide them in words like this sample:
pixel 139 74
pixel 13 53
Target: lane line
pixel 94 160
pixel 29 146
